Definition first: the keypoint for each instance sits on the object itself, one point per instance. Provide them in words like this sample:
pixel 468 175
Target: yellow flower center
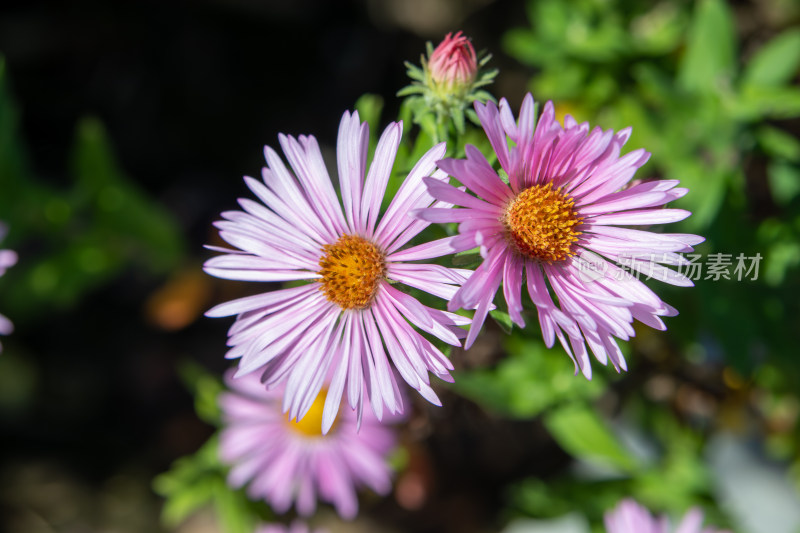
pixel 311 424
pixel 540 223
pixel 351 270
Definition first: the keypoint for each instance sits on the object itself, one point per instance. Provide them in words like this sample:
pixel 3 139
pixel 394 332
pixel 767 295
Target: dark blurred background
pixel 125 129
pixel 187 93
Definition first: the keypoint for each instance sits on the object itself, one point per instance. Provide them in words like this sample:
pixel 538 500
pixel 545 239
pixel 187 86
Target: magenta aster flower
pixel 8 259
pixel 286 461
pixel 553 226
pixel 630 517
pixel 350 315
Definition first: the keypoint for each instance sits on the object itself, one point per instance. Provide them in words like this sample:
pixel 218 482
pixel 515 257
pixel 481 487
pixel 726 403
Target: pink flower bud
pixel 453 62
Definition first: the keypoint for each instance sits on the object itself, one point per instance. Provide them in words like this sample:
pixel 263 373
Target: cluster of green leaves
pixel 73 241
pixel 671 70
pixel 198 481
pixel 440 113
pixel 536 382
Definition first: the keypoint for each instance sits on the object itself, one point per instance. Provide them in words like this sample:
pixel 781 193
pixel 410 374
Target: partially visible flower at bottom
pixel 630 517
pixel 283 461
pixel 8 259
pixel 294 527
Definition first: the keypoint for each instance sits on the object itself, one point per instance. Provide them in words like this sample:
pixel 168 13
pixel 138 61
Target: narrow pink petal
pixel 447 193
pixel 260 262
pixel 408 196
pixel 378 176
pixel 301 214
pixel 261 275
pixel 279 228
pixel 643 217
pixel 444 215
pixel 419 315
pixel 512 287
pixel 692 522
pixel 387 385
pixel 393 347
pixel 419 280
pixel 476 173
pixel 287 199
pixel 351 158
pixel 354 370
pixel 611 178
pixel 335 389
pixel 408 306
pixel 318 173
pixel 490 120
pixel 624 203
pixel 372 383
pixel 311 172
pixel 249 303
pixel 427 250
pixel 408 338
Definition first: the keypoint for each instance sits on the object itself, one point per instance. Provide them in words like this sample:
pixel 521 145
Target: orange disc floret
pixel 541 223
pixel 351 269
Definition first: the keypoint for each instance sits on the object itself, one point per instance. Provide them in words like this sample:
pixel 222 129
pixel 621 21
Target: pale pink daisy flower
pixel 350 314
pixel 553 226
pixel 283 461
pixel 8 258
pixel 630 517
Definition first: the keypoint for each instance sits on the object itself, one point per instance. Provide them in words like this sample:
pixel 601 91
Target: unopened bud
pixel 453 62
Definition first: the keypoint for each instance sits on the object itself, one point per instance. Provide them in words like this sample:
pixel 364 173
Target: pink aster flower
pixel 453 62
pixel 349 315
pixel 630 517
pixel 8 259
pixel 553 227
pixel 284 461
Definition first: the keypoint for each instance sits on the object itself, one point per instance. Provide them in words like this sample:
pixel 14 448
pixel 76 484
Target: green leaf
pixel 135 226
pixel 530 380
pixel 776 63
pixel 707 188
pixel 205 388
pixel 182 504
pixel 369 108
pixel 710 57
pixel 754 103
pixel 784 182
pixel 503 320
pixel 777 143
pixel 233 511
pixel 190 483
pixel 468 258
pixel 582 433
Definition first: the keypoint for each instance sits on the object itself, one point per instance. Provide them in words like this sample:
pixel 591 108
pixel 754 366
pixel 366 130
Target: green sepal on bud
pixel 445 86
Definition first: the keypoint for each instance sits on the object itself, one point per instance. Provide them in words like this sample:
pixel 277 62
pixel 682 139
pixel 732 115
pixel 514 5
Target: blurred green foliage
pixel 199 480
pixel 724 123
pixel 527 382
pixel 76 240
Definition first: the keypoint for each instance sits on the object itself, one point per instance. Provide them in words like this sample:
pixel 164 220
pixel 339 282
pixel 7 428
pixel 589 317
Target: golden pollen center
pixel 540 223
pixel 311 424
pixel 351 269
